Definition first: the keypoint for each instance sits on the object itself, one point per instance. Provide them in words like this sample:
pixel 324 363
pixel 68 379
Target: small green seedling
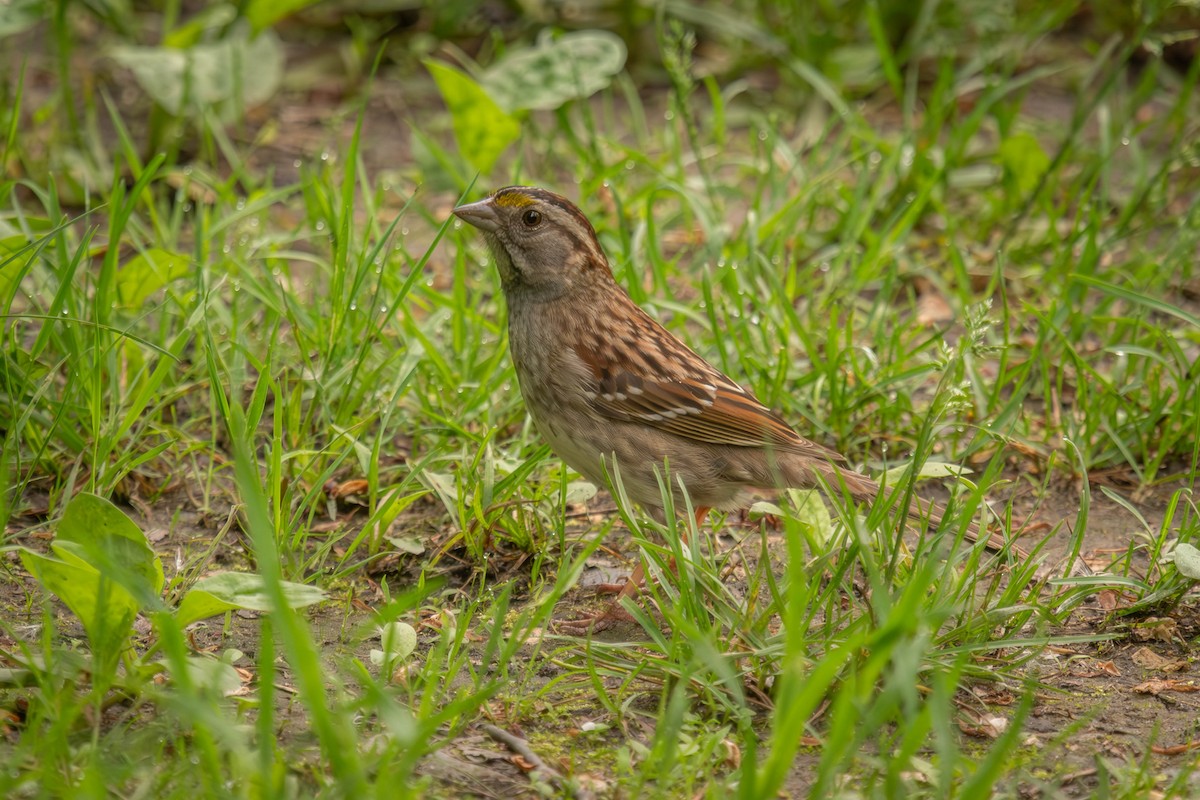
pixel 103 569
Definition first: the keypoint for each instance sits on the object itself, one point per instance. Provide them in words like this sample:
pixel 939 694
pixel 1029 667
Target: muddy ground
pixel 1130 698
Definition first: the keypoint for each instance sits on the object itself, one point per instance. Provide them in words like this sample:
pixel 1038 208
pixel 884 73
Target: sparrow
pixel 613 391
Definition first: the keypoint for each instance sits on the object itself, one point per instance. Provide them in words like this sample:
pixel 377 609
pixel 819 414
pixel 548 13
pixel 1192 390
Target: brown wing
pixel 644 374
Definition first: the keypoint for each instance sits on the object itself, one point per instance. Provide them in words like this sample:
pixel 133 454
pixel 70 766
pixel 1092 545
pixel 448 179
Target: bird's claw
pixel 594 623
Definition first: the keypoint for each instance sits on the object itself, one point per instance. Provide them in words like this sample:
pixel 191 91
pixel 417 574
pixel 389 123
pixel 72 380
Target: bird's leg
pixel 631 588
pixel 614 612
pixel 637 577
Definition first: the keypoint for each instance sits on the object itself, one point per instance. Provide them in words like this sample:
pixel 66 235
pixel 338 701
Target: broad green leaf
pixel 265 13
pixel 580 492
pixel 1187 561
pixel 399 641
pixel 812 512
pixel 205 23
pixel 198 604
pixel 229 75
pixel 855 65
pixel 762 508
pixel 481 128
pixel 1024 161
pixel 212 675
pixel 809 510
pixel 15 253
pixel 406 544
pixel 113 544
pixel 17 249
pixel 146 273
pixel 17 16
pixel 930 469
pixel 229 591
pixel 443 485
pixel 106 610
pixel 556 70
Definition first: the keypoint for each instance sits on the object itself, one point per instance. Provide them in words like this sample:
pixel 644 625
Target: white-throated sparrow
pixel 604 382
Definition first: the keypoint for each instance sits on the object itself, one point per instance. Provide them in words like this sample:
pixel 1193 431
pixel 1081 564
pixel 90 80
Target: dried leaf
pixel 1108 599
pixel 1176 750
pixel 1155 629
pixel 1159 685
pixel 346 488
pixel 988 727
pixel 933 309
pixel 1148 659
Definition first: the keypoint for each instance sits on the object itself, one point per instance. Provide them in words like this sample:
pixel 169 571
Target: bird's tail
pixel 810 472
pixel 864 489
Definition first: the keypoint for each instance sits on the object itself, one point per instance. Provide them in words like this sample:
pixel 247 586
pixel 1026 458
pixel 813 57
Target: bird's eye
pixel 531 218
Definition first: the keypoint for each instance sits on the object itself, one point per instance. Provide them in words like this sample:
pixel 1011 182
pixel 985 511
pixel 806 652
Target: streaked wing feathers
pixel 705 406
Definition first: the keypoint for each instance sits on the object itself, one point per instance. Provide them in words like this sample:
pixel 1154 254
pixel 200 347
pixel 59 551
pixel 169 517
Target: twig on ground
pixel 537 766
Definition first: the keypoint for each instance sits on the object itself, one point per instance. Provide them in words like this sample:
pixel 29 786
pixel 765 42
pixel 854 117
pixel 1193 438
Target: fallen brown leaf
pixel 354 486
pixel 1108 599
pixel 1148 659
pixel 998 697
pixel 733 754
pixel 1155 629
pixel 1066 651
pixel 1095 669
pixel 932 308
pixel 987 727
pixel 1159 685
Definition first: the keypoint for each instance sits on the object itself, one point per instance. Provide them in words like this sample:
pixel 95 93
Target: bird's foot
pixel 624 589
pixel 594 623
pixel 613 614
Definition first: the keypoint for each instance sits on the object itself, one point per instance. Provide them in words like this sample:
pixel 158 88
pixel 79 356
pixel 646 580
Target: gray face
pixel 542 244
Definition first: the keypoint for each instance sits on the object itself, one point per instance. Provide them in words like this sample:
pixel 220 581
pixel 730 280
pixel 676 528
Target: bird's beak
pixel 482 215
